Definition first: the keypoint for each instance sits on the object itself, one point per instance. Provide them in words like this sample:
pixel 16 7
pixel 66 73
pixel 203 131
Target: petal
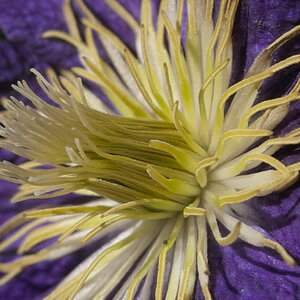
pixel 259 23
pixel 113 21
pixel 37 281
pixel 14 61
pixel 23 23
pixel 279 215
pixel 245 272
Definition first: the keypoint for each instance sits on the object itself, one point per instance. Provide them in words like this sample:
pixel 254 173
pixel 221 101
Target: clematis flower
pixel 184 156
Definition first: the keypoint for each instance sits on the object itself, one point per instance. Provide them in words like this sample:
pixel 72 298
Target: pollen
pixel 170 163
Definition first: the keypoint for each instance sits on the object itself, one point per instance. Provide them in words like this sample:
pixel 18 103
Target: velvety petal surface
pixel 21 45
pixel 23 22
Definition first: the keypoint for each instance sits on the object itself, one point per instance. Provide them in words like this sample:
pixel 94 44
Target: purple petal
pixel 23 23
pixel 258 24
pixel 14 61
pixel 111 20
pixel 244 272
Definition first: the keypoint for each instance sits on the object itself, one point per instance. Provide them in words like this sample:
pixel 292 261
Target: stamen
pixel 253 237
pixel 236 166
pixel 192 24
pixel 267 105
pixel 209 58
pixel 209 10
pixel 12 223
pixel 237 108
pixel 226 36
pixel 283 253
pixel 236 134
pixel 43 233
pixel 181 69
pixel 173 185
pixel 283 39
pixel 231 237
pixel 151 256
pixel 133 67
pixel 296 87
pixel 203 103
pixel 202 258
pixel 67 38
pixel 101 225
pixel 212 221
pixel 177 264
pixel 163 255
pixel 95 264
pixel 200 171
pixel 20 264
pixel 6 278
pixel 77 225
pixel 185 135
pixel 185 158
pixel 160 23
pixel 187 284
pixel 47 212
pixel 25 229
pixel 193 211
pixel 124 14
pixel 129 257
pixel 162 204
pixel 179 14
pixel 169 86
pixel 146 15
pixel 85 10
pixel 70 20
pixel 221 81
pixel 152 78
pixel 206 293
pixel 127 105
pixel 238 197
